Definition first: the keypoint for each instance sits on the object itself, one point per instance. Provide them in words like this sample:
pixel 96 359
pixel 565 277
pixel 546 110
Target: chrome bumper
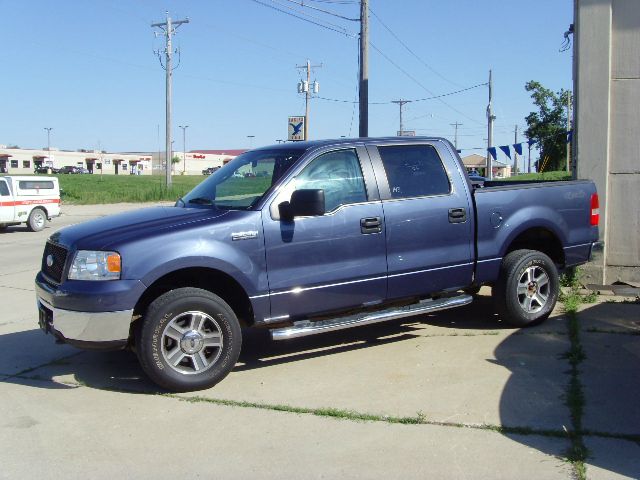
pixel 90 327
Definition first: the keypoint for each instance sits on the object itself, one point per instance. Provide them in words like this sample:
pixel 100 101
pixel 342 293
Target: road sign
pixel 296 128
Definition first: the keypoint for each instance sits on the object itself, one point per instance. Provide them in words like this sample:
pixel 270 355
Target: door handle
pixel 457 215
pixel 370 225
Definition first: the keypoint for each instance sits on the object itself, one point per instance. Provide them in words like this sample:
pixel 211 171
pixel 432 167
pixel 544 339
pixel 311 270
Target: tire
pixel 3 226
pixel 37 220
pixel 171 341
pixel 527 289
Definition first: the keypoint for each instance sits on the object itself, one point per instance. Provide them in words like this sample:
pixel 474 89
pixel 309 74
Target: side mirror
pixel 304 203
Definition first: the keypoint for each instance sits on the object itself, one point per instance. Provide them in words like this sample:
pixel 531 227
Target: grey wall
pixel 607 139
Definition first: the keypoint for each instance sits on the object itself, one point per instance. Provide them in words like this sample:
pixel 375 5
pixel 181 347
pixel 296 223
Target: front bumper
pixel 94 330
pixel 92 315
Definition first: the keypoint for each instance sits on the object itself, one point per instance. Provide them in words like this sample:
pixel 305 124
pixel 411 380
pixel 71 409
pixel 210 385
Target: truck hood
pixel 114 230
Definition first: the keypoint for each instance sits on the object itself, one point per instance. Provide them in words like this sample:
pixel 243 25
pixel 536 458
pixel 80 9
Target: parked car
pixel 69 169
pixel 46 169
pixel 477 181
pixel 30 200
pixel 209 170
pixel 346 233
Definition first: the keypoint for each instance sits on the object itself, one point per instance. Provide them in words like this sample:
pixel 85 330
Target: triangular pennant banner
pixel 569 136
pixel 506 150
pixel 531 142
pixel 518 148
pixel 493 152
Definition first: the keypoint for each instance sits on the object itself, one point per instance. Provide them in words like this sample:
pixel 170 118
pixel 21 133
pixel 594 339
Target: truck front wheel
pixel 527 289
pixel 189 339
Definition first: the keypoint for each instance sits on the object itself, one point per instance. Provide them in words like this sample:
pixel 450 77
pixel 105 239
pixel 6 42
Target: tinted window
pixel 4 190
pixel 35 185
pixel 414 171
pixel 338 174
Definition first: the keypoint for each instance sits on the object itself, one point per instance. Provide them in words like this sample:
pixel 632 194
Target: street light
pixel 48 129
pixel 184 148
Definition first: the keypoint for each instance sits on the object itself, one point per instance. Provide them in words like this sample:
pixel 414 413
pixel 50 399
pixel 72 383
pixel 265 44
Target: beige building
pixel 607 128
pixel 194 161
pixel 479 163
pixel 21 161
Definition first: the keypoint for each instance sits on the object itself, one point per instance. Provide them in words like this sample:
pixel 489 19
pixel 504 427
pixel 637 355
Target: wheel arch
pixel 212 280
pixel 541 239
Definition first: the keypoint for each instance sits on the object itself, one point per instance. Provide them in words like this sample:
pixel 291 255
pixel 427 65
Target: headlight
pixel 92 265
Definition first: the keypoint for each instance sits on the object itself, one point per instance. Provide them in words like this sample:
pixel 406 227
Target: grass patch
pixel 97 189
pixel 544 176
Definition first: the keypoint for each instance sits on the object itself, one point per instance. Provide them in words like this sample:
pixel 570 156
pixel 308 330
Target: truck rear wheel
pixel 37 220
pixel 190 339
pixel 527 289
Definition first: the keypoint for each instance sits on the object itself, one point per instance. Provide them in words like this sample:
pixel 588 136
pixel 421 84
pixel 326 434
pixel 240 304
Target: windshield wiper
pixel 201 201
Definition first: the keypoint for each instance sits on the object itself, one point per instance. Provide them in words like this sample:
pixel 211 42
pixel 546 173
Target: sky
pixel 88 69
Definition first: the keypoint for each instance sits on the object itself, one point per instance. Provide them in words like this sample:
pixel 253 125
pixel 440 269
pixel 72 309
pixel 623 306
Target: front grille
pixel 59 257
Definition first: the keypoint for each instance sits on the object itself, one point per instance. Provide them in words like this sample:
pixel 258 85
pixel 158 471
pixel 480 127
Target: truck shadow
pixel 45 364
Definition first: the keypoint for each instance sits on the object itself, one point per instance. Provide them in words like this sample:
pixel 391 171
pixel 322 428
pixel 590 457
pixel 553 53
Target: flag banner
pixel 506 150
pixel 518 148
pixel 569 136
pixel 531 142
pixel 493 152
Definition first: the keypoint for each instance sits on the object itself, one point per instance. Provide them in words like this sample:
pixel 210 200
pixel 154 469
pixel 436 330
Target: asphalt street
pixel 456 394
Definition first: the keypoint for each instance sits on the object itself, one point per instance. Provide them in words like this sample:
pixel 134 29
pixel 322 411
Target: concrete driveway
pixel 450 395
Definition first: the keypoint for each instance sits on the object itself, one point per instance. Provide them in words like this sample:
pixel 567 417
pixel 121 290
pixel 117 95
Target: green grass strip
pixel 574 397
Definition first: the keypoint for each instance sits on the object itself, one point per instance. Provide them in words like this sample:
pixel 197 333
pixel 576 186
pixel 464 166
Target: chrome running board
pixel 307 327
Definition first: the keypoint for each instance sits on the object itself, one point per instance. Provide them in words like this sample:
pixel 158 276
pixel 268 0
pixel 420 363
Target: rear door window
pixel 414 171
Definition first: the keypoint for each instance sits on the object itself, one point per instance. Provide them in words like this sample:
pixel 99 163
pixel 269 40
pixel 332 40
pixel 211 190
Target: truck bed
pixel 554 213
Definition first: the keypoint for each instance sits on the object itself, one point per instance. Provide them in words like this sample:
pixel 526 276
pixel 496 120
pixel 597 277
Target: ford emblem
pixel 49 261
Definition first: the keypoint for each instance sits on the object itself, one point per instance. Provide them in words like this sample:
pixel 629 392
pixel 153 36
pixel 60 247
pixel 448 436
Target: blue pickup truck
pixel 304 238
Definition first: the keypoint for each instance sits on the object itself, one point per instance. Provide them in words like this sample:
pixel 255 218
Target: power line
pixel 413 100
pixel 420 84
pixel 411 51
pixel 342 31
pixel 301 4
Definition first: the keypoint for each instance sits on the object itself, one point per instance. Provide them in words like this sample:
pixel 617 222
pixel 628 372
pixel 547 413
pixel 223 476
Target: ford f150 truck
pixel 304 238
pixel 30 200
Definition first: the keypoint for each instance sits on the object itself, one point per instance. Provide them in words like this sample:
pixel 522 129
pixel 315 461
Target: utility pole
pixel 455 138
pixel 363 89
pixel 490 118
pixel 48 129
pixel 529 164
pixel 515 154
pixel 184 147
pixel 401 104
pixel 568 130
pixel 169 29
pixel 305 87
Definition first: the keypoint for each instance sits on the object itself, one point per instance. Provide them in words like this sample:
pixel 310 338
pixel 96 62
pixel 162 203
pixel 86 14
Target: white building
pixel 21 161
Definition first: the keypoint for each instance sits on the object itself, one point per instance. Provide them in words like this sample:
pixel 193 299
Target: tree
pixel 548 126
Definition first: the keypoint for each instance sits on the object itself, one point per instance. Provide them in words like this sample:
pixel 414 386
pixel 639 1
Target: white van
pixel 30 200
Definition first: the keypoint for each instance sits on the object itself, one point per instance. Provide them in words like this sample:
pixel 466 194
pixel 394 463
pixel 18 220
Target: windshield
pixel 241 183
